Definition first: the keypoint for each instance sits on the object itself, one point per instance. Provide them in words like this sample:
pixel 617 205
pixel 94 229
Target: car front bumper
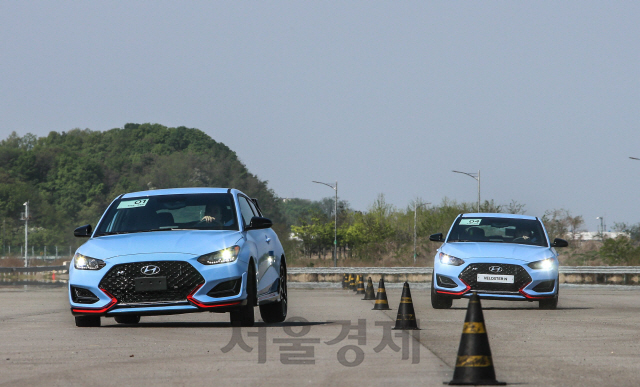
pixel 111 299
pixel 529 284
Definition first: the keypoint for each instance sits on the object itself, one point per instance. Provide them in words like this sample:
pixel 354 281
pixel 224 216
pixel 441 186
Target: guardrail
pixel 33 269
pixel 428 270
pixel 618 275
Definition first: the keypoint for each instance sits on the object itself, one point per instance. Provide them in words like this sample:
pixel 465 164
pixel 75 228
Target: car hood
pixel 195 242
pixel 466 250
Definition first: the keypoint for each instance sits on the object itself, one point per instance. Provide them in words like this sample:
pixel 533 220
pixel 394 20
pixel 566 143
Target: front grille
pixel 520 277
pixel 181 277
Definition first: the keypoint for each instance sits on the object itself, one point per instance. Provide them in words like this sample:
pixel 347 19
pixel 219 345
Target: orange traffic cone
pixel 369 294
pixel 381 298
pixel 474 365
pixel 406 315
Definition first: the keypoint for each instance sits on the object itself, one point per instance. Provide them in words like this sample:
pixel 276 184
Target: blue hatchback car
pixel 499 256
pixel 174 251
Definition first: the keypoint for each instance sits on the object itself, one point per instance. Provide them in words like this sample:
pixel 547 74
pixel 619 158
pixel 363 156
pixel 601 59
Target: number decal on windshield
pixel 133 203
pixel 468 222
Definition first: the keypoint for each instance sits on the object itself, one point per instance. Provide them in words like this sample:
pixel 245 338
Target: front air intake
pixel 545 286
pixel 124 281
pixel 226 289
pixel 520 277
pixel 83 296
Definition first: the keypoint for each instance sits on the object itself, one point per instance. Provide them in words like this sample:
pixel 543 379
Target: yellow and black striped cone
pixel 356 278
pixel 474 365
pixel 345 281
pixel 381 298
pixel 360 288
pixel 406 315
pixel 352 282
pixel 369 294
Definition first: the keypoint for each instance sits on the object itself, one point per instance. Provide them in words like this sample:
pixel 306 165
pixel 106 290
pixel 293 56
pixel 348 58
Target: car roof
pixel 178 191
pixel 498 215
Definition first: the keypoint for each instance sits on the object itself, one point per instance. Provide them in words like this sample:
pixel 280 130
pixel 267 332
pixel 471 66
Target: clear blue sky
pixel 385 97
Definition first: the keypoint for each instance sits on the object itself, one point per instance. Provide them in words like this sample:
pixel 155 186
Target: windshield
pixel 170 212
pixel 498 230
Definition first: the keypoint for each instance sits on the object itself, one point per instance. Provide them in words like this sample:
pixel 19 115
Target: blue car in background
pixel 174 251
pixel 499 256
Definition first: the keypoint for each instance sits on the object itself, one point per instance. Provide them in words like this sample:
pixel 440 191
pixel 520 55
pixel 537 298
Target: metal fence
pixel 47 253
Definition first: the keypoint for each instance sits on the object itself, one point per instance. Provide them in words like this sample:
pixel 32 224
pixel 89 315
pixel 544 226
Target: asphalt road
pixel 593 339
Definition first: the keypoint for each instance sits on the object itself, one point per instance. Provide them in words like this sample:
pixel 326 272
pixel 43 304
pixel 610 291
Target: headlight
pixel 545 264
pixel 446 259
pixel 229 254
pixel 82 262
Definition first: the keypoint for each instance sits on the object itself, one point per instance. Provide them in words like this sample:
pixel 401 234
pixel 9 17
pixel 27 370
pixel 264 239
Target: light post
pixel 26 231
pixel 415 224
pixel 477 177
pixel 601 227
pixel 335 227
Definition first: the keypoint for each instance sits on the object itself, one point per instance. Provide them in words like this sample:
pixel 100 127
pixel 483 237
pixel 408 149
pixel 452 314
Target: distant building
pixel 596 235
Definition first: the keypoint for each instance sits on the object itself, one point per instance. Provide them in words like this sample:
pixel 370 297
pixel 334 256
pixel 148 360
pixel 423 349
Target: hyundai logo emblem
pixel 495 269
pixel 150 270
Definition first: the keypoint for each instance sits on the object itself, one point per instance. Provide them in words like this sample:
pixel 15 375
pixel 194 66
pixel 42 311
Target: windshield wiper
pixel 113 233
pixel 133 232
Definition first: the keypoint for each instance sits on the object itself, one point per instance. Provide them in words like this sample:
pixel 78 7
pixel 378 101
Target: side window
pixel 253 207
pixel 245 210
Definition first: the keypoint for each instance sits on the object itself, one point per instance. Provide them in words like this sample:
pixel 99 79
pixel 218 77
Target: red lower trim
pixel 456 293
pixel 203 305
pixel 529 297
pixel 101 310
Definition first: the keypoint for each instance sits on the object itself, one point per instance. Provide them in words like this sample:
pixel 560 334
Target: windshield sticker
pixel 133 203
pixel 470 222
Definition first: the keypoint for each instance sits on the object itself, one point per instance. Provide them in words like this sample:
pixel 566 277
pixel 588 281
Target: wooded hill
pixel 69 178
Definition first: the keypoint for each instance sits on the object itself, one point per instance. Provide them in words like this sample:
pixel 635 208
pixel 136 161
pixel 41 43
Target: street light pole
pixel 335 225
pixel 26 232
pixel 415 232
pixel 477 177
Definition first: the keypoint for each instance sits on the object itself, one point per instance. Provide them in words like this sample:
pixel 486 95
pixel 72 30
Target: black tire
pixel 276 312
pixel 438 301
pixel 127 319
pixel 551 303
pixel 87 321
pixel 244 317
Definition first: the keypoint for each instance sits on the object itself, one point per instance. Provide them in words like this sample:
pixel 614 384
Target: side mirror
pixel 258 222
pixel 559 243
pixel 436 237
pixel 83 231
